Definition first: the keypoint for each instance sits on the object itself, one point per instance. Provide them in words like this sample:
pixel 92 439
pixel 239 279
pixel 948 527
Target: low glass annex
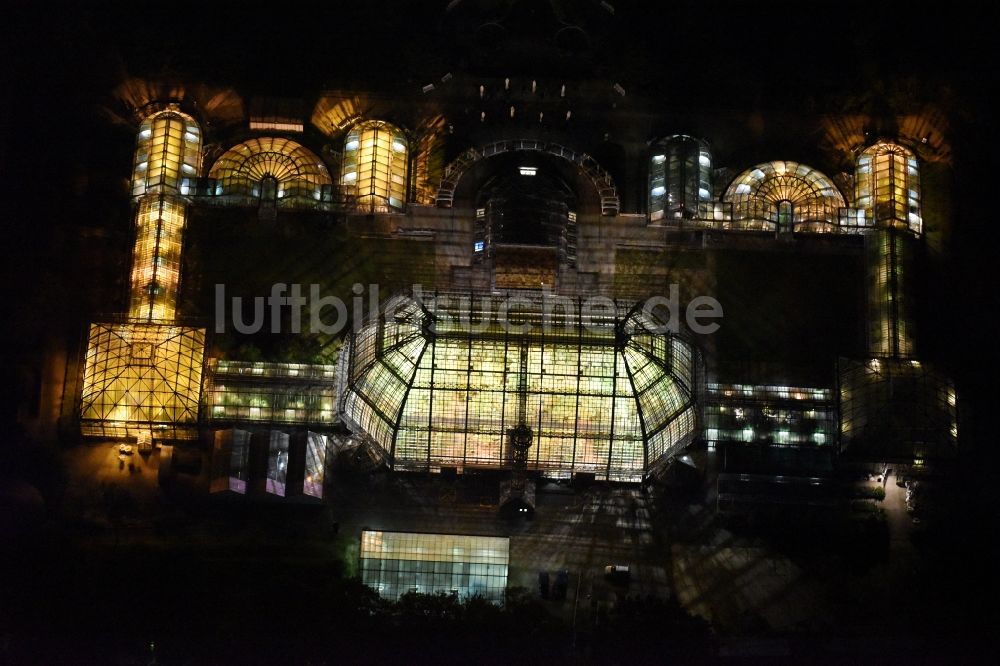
pixel 395 563
pixel 142 377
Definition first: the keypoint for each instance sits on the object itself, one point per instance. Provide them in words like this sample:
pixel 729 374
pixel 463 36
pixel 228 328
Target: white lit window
pixel 479 246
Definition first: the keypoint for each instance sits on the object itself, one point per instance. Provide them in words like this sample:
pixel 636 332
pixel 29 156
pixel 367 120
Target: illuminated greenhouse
pixel 374 168
pixel 168 149
pixel 784 196
pixel 435 385
pixel 271 169
pixel 887 182
pixel 142 377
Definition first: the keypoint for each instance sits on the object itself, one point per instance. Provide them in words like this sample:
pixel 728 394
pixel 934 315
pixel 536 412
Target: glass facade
pixel 680 178
pixel 889 317
pixel 284 393
pixel 142 376
pixel 168 149
pixel 897 410
pixel 270 170
pixel 395 563
pixel 887 183
pixel 784 196
pixel 230 461
pixel 778 415
pixel 277 463
pixel 315 472
pixel 374 168
pixel 156 258
pixel 438 386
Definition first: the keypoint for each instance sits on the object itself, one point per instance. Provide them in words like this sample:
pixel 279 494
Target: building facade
pixel 476 187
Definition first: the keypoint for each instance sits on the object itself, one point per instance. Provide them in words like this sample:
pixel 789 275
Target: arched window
pixel 887 183
pixel 374 169
pixel 811 201
pixel 168 149
pixel 283 170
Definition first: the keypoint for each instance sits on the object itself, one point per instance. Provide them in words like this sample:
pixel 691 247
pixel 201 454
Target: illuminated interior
pixel 374 168
pixel 785 196
pixel 271 169
pixel 776 415
pixel 887 183
pixel 156 258
pixel 395 563
pixel 142 376
pixel 610 397
pixel 168 149
pixel 283 393
pixel 277 463
pixel 315 471
pixel 680 177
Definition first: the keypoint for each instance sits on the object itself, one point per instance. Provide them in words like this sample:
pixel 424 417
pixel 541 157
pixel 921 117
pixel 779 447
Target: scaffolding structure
pixel 434 384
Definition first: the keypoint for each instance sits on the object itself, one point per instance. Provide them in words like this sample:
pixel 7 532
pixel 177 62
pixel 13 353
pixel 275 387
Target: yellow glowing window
pixel 887 182
pixel 374 168
pixel 394 563
pixel 168 149
pixel 764 196
pixel 156 258
pixel 141 375
pixel 271 168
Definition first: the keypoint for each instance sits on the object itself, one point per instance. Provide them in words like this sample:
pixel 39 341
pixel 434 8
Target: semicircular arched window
pixel 373 174
pixel 273 167
pixel 784 195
